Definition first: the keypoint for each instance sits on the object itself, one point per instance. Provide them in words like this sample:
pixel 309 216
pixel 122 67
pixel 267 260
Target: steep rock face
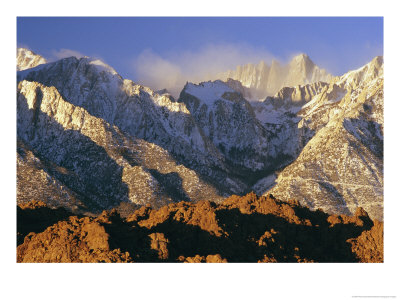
pixel 341 167
pixel 296 95
pixel 302 70
pixel 274 79
pixel 228 120
pixel 279 116
pixel 251 76
pixel 240 229
pixel 87 163
pixel 26 59
pixel 237 86
pixel 266 80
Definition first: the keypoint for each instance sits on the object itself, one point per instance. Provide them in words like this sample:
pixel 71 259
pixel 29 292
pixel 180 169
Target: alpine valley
pixel 89 140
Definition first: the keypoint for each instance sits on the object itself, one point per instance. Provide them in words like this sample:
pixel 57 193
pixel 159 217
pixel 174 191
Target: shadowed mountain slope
pixel 88 164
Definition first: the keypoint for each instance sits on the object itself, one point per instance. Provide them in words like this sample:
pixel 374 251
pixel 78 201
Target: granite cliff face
pixel 237 86
pixel 264 80
pixel 228 121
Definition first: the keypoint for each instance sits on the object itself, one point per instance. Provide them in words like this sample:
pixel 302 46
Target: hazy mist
pixel 173 71
pixel 63 53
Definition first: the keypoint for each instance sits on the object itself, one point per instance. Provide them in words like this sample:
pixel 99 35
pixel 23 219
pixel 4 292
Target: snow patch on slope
pixel 208 92
pixel 102 66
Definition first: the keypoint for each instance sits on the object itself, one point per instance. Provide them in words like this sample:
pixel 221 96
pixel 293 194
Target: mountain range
pixel 265 80
pixel 88 139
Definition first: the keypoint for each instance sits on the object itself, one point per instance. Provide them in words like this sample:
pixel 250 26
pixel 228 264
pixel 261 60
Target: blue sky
pixel 131 45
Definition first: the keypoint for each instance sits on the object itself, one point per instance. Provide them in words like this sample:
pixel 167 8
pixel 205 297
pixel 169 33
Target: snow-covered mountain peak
pixel 301 57
pixel 101 65
pixel 228 121
pixel 301 65
pixel 27 59
pixel 364 75
pixel 209 91
pixel 78 70
pixel 264 80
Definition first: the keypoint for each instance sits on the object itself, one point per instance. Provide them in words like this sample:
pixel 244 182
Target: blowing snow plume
pixel 173 70
pixel 63 53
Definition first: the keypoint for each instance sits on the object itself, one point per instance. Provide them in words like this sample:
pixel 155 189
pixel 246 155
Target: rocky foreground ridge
pixel 240 229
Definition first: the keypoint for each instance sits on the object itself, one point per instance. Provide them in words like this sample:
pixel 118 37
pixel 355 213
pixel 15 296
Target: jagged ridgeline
pixel 240 229
pixel 90 140
pixel 261 80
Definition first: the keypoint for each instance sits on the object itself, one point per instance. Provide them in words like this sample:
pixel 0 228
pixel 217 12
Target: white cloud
pixel 157 72
pixel 173 70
